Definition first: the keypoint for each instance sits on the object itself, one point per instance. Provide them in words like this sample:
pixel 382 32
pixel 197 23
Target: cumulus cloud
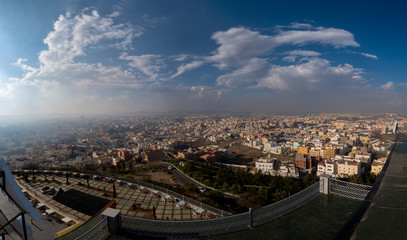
pixel 243 77
pixel 387 86
pixel 149 64
pixel 314 74
pixel 237 46
pixel 247 53
pixel 246 59
pixel 369 55
pixel 64 67
pixel 70 39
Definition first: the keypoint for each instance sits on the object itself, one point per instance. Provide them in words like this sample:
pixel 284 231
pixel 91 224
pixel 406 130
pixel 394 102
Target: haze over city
pixel 76 57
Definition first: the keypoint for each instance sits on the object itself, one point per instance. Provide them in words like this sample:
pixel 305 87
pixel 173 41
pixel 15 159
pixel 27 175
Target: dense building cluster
pixel 338 144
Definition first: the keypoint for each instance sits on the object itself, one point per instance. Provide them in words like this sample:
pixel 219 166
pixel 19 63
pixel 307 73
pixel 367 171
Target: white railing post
pixel 113 219
pixel 250 218
pixel 324 183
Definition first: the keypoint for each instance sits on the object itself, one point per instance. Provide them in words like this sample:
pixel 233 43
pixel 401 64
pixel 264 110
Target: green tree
pixel 225 186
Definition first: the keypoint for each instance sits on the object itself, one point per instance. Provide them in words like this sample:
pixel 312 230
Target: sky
pixel 112 57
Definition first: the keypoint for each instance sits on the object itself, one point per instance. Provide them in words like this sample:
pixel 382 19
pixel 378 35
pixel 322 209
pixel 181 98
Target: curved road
pixel 181 178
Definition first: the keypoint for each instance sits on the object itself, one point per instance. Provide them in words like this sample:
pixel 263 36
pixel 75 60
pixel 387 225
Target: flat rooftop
pixel 81 202
pixel 321 218
pixel 387 216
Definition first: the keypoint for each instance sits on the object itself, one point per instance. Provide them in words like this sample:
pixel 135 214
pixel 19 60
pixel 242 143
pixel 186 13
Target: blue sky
pixel 267 56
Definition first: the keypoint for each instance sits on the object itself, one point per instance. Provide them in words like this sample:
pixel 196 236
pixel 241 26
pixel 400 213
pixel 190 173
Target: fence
pixel 349 190
pixel 180 196
pixel 99 231
pixel 216 211
pixel 270 212
pixel 221 225
pixel 228 224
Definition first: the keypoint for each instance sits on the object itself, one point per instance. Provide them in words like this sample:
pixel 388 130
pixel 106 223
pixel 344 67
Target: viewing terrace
pixel 329 209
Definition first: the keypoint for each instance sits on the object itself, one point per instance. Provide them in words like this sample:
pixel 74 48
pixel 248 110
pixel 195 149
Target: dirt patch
pixel 156 156
pixel 243 155
pixel 159 176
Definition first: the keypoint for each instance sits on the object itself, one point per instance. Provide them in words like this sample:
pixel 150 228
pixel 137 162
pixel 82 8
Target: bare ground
pixel 159 176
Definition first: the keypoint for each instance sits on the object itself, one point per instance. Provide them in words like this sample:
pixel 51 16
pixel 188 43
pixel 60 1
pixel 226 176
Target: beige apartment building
pixel 377 167
pixel 349 168
pixel 303 150
pixel 328 153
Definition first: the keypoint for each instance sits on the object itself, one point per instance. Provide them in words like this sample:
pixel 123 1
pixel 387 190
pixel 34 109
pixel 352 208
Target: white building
pixel 265 165
pixel 331 167
pixel 321 169
pixel 347 168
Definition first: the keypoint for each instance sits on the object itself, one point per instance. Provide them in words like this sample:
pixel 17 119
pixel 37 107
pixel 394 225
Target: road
pixel 181 178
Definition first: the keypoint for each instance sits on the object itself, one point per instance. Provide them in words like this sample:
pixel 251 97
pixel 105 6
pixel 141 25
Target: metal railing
pixel 270 212
pixel 221 225
pixel 190 228
pixel 348 189
pixel 188 200
pixel 181 197
pixel 99 231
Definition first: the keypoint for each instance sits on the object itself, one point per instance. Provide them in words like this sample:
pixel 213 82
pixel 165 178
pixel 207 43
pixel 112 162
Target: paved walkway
pixel 387 217
pixel 126 197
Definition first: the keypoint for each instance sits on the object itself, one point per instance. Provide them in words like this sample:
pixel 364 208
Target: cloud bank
pixel 90 65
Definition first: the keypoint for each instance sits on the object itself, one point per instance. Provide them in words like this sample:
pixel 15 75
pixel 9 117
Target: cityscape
pixel 202 120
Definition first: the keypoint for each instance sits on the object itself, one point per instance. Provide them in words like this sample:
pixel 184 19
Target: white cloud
pixel 187 67
pixel 149 64
pixel 369 55
pixel 180 57
pixel 305 53
pixel 69 39
pixel 238 46
pixel 199 92
pixel 247 54
pixel 338 38
pixel 314 74
pixel 243 77
pixel 64 68
pixel 294 54
pixel 387 86
pixel 219 95
pixel 301 25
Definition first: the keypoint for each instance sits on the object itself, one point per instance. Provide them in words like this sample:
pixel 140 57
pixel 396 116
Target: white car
pixel 170 168
pixel 202 189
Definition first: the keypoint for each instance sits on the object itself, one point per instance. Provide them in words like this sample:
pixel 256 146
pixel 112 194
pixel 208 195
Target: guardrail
pixel 348 189
pixel 217 211
pixel 228 224
pixel 220 225
pixel 270 212
pixel 180 196
pixel 99 231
